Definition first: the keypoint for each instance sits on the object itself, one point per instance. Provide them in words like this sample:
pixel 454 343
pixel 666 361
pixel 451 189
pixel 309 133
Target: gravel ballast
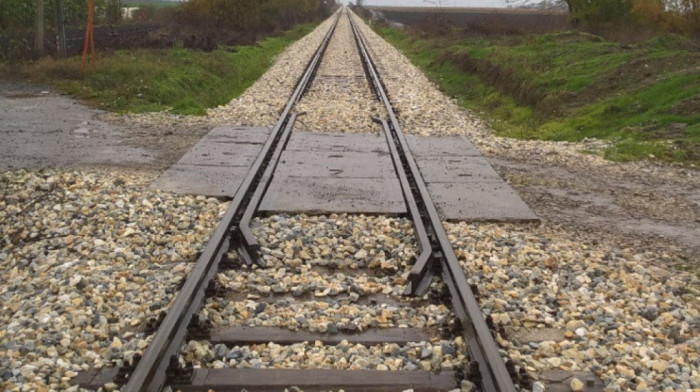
pixel 618 313
pixel 328 275
pixel 261 103
pixel 340 99
pixel 86 258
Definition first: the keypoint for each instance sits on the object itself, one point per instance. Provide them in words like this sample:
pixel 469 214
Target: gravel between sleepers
pixel 321 273
pixel 340 99
pixel 432 356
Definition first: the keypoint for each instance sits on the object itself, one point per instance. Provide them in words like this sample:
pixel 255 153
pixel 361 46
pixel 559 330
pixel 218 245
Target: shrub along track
pixel 433 348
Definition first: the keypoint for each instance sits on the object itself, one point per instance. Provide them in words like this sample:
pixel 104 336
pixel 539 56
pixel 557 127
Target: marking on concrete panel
pixel 329 172
pixel 350 164
pixel 217 164
pixel 320 195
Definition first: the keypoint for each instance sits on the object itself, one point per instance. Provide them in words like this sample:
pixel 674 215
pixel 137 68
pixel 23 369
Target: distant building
pixel 128 12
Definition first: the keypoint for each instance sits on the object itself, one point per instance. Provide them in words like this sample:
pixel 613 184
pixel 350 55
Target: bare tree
pixel 436 3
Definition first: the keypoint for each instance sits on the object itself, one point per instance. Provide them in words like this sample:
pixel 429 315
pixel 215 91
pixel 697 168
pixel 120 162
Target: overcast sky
pixel 446 3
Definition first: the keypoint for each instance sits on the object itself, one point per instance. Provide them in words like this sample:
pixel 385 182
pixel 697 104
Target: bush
pixel 208 23
pixel 636 20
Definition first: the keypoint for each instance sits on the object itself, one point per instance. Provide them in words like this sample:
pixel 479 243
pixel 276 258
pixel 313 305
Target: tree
pixel 113 13
pixel 598 11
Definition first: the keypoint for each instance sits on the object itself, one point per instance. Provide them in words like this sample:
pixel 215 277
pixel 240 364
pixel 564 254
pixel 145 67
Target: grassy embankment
pixel 179 80
pixel 644 99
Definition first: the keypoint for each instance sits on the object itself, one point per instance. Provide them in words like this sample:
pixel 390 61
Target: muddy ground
pixel 42 128
pixel 658 212
pixel 648 206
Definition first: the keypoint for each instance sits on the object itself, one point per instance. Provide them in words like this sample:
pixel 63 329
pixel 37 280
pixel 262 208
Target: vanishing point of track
pixel 159 366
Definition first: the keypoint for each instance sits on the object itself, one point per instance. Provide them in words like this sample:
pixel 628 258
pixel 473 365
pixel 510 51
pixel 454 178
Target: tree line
pixel 241 15
pixel 19 14
pixel 677 16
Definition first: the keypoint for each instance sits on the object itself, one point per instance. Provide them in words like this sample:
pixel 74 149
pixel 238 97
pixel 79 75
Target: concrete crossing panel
pixel 217 181
pixel 480 201
pixel 345 164
pixel 463 185
pixel 314 141
pixel 449 168
pixel 326 173
pixel 210 153
pixel 439 146
pixel 242 135
pixel 323 195
pixel 353 173
pixel 217 164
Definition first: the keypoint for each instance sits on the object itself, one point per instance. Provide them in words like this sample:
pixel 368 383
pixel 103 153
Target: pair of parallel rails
pixel 159 366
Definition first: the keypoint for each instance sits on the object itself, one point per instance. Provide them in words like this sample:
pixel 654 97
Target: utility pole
pixel 39 24
pixel 61 29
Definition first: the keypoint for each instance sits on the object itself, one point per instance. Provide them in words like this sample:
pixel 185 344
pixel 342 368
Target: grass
pixel 644 99
pixel 178 80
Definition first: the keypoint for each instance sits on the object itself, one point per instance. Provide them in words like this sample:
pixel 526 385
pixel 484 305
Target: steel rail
pixel 492 372
pixel 418 284
pixel 421 272
pixel 150 371
pixel 249 248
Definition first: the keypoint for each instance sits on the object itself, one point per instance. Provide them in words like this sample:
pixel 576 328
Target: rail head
pixel 249 244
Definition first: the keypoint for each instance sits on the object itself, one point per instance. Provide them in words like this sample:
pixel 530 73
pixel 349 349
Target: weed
pixel 178 80
pixel 644 98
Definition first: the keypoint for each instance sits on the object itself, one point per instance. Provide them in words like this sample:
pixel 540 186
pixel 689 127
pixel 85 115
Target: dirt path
pixel 41 128
pixel 639 205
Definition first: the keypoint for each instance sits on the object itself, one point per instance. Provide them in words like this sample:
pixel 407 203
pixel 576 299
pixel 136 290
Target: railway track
pixel 456 349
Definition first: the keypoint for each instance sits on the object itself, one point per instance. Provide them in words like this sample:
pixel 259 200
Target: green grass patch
pixel 181 81
pixel 644 98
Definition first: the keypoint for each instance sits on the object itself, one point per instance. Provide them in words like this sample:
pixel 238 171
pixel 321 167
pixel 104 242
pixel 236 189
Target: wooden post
pixel 39 25
pixel 62 51
pixel 89 37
